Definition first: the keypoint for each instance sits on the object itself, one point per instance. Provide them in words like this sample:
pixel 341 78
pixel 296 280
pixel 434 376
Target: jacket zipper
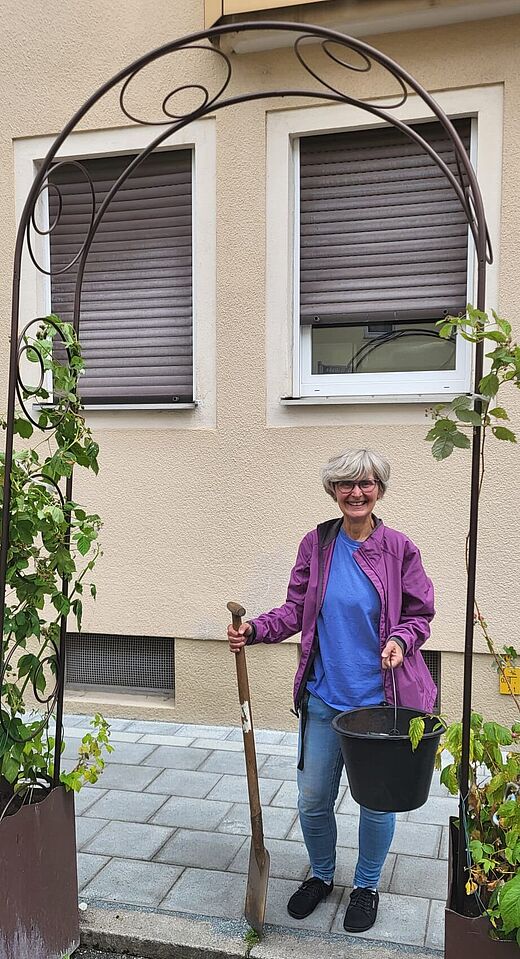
pixel 314 647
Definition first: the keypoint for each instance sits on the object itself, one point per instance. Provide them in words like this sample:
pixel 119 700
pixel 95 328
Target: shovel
pixel 258 871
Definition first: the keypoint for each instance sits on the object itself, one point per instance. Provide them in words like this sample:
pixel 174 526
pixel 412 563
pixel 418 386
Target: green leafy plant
pixel 52 542
pixel 493 817
pixel 251 940
pixel 493 825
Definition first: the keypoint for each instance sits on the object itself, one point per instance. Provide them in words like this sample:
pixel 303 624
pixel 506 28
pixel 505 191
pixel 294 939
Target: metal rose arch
pixel 332 48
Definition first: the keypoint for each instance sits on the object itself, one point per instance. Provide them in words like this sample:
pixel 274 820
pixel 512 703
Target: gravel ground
pixel 85 953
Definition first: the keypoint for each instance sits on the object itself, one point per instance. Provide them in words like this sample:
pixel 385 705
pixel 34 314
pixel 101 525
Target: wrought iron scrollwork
pixel 25 390
pixel 341 52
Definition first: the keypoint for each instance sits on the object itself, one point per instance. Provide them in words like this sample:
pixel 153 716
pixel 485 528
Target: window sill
pixel 133 407
pixel 425 398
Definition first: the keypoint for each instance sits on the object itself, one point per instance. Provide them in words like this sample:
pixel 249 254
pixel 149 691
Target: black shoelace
pixel 363 899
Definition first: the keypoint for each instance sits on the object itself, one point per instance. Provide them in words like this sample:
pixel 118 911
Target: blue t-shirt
pixel 347 667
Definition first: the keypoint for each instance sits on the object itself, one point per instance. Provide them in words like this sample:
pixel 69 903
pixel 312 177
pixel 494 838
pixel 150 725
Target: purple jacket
pixel 393 565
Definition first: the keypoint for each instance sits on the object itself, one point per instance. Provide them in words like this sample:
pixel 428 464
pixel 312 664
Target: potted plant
pixel 491 922
pixel 52 549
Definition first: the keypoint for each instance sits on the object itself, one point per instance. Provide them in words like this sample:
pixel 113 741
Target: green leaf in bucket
pixel 416 731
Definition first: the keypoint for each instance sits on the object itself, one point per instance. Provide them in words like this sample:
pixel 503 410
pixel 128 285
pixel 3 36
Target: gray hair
pixel 355 465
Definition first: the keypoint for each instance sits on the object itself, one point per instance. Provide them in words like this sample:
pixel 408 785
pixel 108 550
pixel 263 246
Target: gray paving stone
pixel 234 789
pixel 279 767
pixel 436 810
pixel 290 739
pixel 71 719
pixel 416 839
pixel 278 894
pixel 131 753
pixel 75 733
pixel 436 788
pixel 157 740
pixel 127 806
pixel 277 821
pixel 413 873
pixel 203 814
pixel 86 829
pixel 86 798
pixel 184 782
pixel 121 776
pixel 289 860
pixel 435 930
pixel 207 893
pixel 132 881
pixel 444 846
pixel 287 795
pixel 88 866
pixel 346 859
pixel 400 919
pixel 224 761
pixel 144 726
pixel 177 757
pixel 204 850
pixel 128 840
pixel 205 732
pixel 267 736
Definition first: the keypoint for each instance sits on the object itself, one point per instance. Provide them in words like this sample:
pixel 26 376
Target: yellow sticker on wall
pixel 512 685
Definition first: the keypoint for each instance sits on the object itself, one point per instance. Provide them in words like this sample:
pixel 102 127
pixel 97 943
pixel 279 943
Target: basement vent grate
pixel 433 662
pixel 131 662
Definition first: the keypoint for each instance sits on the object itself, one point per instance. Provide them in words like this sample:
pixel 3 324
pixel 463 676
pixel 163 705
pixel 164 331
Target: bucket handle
pixel 394 731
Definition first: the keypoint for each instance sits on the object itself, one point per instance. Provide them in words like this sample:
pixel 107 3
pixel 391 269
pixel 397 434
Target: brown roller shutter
pixel 382 233
pixel 136 307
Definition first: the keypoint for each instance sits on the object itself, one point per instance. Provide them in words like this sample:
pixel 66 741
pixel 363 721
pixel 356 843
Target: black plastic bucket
pixel 384 772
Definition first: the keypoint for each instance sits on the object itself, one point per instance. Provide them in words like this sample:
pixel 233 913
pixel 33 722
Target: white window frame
pixel 289 357
pixel 35 291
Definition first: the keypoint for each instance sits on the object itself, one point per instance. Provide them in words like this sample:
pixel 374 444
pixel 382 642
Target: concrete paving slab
pixel 204 850
pixel 88 866
pixel 400 919
pixel 77 732
pixel 289 860
pixel 290 739
pixel 269 736
pixel 144 726
pixel 86 798
pixel 131 753
pixel 177 757
pixel 220 744
pixel 286 795
pixel 156 739
pixel 435 929
pixel 436 810
pixel 202 814
pixel 234 789
pixel 278 895
pixel 206 892
pixel 233 763
pixel 279 767
pixel 444 846
pixel 132 881
pixel 205 732
pixel 416 838
pixel 184 782
pixel 277 822
pixel 128 840
pixel 413 873
pixel 122 776
pixel 86 829
pixel 128 806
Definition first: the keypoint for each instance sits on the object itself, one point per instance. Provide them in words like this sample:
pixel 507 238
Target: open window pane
pixel 380 348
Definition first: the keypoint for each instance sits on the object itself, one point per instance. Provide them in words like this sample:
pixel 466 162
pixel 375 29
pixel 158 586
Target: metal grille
pixel 132 662
pixel 432 658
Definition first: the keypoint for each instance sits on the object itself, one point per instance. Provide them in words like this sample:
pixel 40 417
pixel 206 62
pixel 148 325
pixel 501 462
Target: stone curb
pixel 158 936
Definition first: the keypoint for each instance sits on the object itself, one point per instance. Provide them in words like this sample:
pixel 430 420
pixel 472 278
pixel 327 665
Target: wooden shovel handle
pixel 237 611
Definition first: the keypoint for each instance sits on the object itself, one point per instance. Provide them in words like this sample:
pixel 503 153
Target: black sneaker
pixel 362 910
pixel 308 896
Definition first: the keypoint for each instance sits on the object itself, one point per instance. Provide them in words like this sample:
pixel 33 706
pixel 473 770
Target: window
pixel 214 9
pixel 382 254
pixel 136 307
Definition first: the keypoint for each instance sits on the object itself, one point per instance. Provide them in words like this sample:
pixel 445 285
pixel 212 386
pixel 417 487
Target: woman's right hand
pixel 237 637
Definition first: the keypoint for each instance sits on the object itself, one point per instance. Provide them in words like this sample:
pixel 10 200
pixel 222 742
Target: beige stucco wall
pixel 196 516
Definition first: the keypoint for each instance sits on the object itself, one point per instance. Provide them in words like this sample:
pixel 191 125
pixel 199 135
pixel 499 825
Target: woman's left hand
pixel 392 655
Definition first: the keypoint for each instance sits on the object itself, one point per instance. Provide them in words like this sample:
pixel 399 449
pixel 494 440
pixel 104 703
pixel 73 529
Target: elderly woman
pixel 360 596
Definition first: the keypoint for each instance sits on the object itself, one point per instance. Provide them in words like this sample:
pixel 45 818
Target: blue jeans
pixel 318 785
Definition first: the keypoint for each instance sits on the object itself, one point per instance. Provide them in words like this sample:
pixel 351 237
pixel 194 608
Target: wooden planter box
pixel 39 897
pixel 467 938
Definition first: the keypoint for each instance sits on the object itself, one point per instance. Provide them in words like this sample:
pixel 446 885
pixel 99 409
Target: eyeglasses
pixel 366 485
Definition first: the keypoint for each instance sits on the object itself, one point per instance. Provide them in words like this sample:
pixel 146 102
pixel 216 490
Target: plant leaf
pixel 502 433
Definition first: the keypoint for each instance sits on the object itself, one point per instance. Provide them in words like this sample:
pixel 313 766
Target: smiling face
pixel 356 499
